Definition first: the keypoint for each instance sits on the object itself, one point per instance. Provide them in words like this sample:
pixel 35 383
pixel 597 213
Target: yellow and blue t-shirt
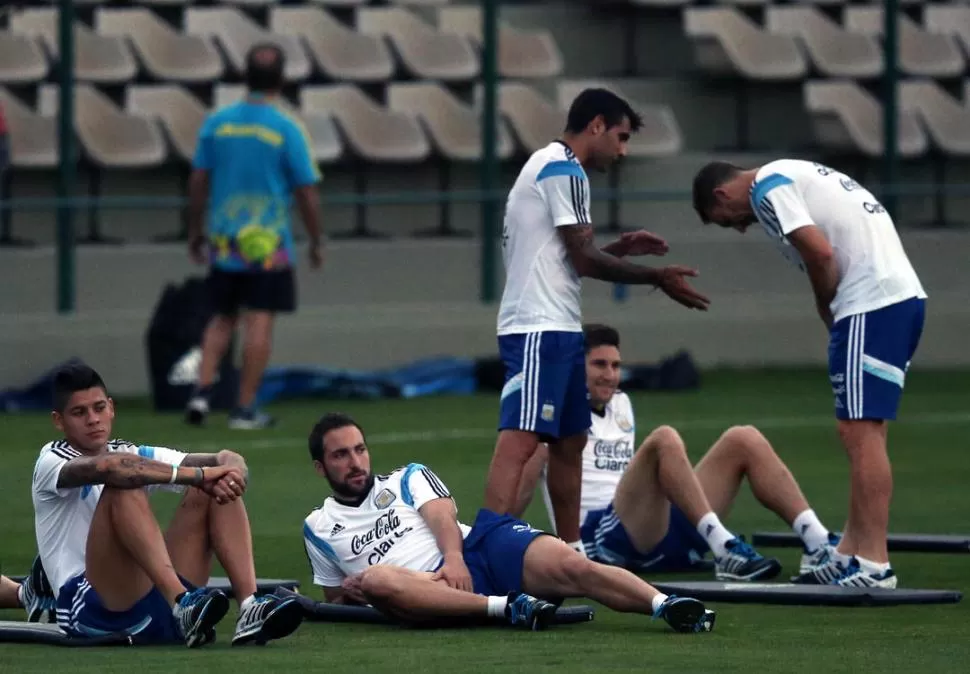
pixel 256 154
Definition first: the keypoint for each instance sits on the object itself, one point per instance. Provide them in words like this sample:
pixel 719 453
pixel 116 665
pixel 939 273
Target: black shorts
pixel 273 291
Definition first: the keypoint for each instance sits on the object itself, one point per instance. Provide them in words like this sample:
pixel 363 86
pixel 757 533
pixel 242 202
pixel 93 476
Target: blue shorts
pixel 494 552
pixel 80 613
pixel 607 542
pixel 545 384
pixel 868 358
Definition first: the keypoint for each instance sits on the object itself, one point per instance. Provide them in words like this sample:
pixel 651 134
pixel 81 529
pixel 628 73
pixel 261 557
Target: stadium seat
pixel 111 137
pixel 535 121
pixel 33 138
pixel 947 120
pixel 522 54
pixel 180 113
pixel 922 53
pixel 103 59
pixel 372 132
pixel 834 51
pixel 952 19
pixel 319 125
pixel 660 135
pixel 167 55
pixel 237 34
pixel 340 53
pixel 845 117
pixel 425 52
pixel 21 59
pixel 454 127
pixel 725 41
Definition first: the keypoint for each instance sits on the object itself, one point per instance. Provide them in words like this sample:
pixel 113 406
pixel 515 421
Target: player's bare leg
pixel 660 472
pixel 871 486
pixel 565 483
pixel 257 346
pixel 742 451
pixel 202 528
pixel 9 593
pixel 553 569
pixel 126 556
pixel 413 596
pixel 513 449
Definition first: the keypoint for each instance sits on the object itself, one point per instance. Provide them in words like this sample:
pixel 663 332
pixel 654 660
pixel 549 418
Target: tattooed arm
pixel 125 471
pixel 223 458
pixel 596 263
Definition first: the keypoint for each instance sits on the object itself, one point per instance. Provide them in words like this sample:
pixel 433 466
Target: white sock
pixel 658 600
pixel 247 602
pixel 496 606
pixel 20 596
pixel 714 533
pixel 578 546
pixel 811 530
pixel 871 567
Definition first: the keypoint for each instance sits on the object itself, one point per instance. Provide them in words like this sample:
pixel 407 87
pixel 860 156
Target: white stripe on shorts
pixel 855 351
pixel 529 404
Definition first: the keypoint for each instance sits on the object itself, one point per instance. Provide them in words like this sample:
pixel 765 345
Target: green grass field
pixel 455 437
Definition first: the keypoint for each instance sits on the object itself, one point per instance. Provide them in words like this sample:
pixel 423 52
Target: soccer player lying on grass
pixel 34 594
pixel 394 542
pixel 651 510
pixel 111 568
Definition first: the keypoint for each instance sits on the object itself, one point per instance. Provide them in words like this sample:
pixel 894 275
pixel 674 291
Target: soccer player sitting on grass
pixel 112 569
pixel 394 541
pixel 649 510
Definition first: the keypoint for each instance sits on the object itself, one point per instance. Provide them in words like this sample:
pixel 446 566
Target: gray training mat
pixel 263 585
pixel 791 594
pixel 959 543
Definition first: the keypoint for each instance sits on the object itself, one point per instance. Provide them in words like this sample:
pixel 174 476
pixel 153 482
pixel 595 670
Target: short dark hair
pixel 70 379
pixel 264 74
pixel 711 176
pixel 593 102
pixel 330 421
pixel 597 334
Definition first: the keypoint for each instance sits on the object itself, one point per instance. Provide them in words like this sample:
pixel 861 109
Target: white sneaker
pixel 855 576
pixel 812 560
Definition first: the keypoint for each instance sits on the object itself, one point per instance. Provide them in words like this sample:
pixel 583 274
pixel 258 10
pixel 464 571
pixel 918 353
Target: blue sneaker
pixel 266 618
pixel 524 610
pixel 685 614
pixel 813 559
pixel 37 595
pixel 197 613
pixel 742 562
pixel 855 576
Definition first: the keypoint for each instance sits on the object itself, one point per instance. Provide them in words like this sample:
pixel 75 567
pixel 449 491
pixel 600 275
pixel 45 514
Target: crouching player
pixel 112 569
pixel 394 541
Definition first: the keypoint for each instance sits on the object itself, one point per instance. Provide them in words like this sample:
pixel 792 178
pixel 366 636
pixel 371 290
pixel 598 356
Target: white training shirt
pixel 542 288
pixel 610 446
pixel 386 528
pixel 873 267
pixel 62 517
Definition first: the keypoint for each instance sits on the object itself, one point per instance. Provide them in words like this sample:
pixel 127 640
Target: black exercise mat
pixel 897 542
pixel 13 632
pixel 804 595
pixel 318 611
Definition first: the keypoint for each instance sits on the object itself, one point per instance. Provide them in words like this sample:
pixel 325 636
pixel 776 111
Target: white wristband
pixel 175 472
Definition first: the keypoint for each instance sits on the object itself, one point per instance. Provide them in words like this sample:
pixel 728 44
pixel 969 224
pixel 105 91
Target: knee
pixel 664 439
pixel 744 439
pixel 379 582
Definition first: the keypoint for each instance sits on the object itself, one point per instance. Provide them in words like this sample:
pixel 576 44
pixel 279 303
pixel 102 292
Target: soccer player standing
pixel 873 304
pixel 547 246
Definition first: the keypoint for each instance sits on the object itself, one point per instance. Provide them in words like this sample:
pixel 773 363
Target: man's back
pixel 874 269
pixel 256 155
pixel 542 289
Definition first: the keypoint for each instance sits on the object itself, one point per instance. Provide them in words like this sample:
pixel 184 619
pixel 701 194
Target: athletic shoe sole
pixel 686 615
pixel 216 607
pixel 281 622
pixel 768 570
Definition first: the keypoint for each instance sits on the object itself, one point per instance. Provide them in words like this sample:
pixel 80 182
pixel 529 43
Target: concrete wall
pixel 380 303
